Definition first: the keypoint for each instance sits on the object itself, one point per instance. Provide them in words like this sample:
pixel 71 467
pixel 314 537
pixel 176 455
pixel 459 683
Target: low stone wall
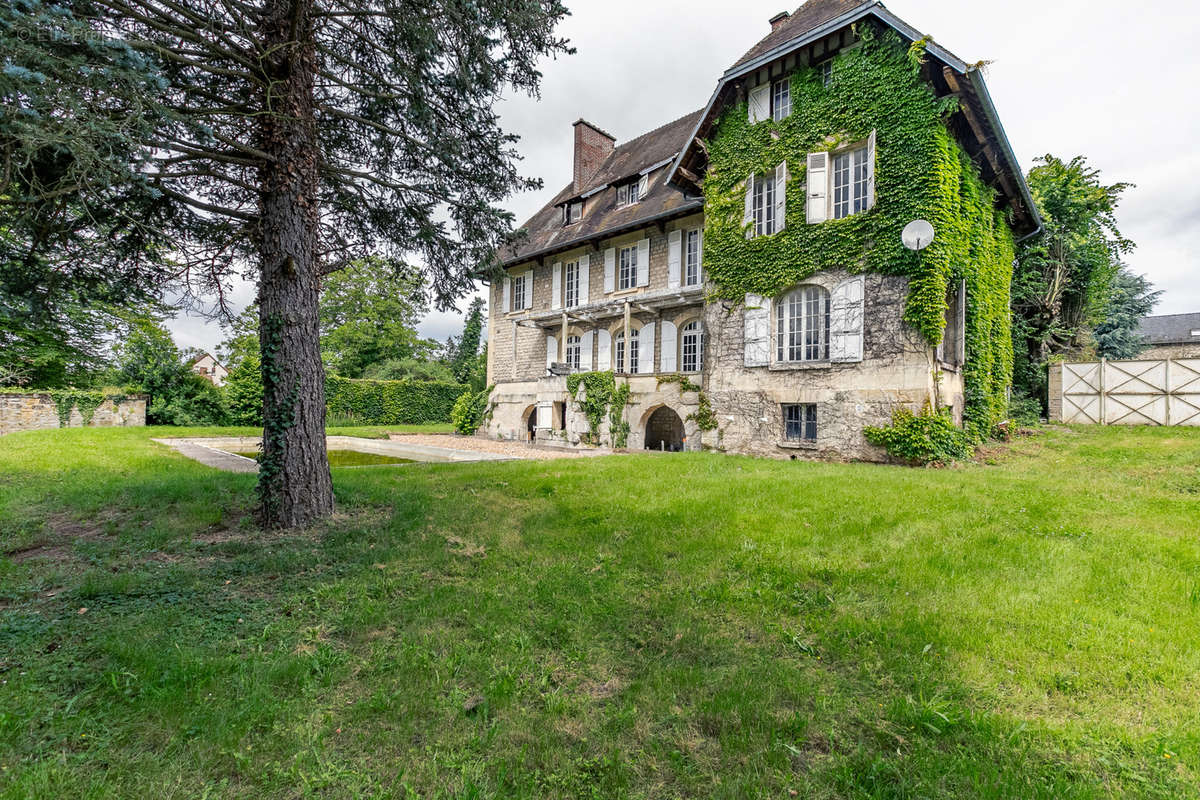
pixel 38 410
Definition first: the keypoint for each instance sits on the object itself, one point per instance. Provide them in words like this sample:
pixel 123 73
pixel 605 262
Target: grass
pixel 343 458
pixel 680 625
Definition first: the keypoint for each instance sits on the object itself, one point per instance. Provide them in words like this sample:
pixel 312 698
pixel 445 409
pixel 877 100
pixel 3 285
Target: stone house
pixel 740 269
pixel 209 368
pixel 1170 336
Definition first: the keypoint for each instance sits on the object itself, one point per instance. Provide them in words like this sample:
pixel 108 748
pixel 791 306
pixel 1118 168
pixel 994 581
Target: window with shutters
pixel 518 291
pixel 781 98
pixel 619 346
pixel 762 204
pixel 574 352
pixel 571 284
pixel 800 423
pixel 850 183
pixel 691 260
pixel 628 263
pixel 691 344
pixel 627 194
pixel 572 212
pixel 802 325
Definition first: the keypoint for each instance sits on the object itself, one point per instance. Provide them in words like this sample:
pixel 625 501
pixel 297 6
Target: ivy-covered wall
pixel 920 172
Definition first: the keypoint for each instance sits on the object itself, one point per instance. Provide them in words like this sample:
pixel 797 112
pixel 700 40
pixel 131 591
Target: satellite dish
pixel 917 234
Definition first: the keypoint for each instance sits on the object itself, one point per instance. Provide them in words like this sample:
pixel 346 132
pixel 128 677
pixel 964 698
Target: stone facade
pixel 36 411
pixel 1180 350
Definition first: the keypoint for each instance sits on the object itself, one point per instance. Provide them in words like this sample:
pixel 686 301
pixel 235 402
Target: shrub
pixel 1024 410
pixel 391 402
pixel 244 392
pixel 928 438
pixel 470 410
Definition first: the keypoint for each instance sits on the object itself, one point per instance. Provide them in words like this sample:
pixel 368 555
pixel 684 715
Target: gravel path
pixel 504 448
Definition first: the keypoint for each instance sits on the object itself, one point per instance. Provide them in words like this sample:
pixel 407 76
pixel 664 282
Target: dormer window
pixel 572 212
pixel 631 192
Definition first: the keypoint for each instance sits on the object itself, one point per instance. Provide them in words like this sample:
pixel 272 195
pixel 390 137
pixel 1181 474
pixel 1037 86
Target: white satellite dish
pixel 917 234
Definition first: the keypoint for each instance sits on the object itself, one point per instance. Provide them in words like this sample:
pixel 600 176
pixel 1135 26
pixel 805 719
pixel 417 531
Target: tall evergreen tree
pixel 1130 298
pixel 463 351
pixel 297 135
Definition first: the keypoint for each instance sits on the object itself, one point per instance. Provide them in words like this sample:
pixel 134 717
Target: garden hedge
pixel 391 402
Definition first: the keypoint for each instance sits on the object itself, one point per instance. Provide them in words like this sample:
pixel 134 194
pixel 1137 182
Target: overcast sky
pixel 1109 79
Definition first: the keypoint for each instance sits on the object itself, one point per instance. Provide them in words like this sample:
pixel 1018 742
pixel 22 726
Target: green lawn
pixel 688 625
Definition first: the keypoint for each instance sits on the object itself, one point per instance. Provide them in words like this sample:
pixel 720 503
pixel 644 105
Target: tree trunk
pixel 294 485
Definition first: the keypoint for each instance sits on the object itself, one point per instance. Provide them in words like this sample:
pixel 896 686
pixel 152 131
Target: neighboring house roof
pixel 203 356
pixel 1171 329
pixel 977 125
pixel 545 230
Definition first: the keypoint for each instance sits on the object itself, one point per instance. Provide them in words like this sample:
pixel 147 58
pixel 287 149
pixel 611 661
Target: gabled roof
pixel 545 232
pixel 976 125
pixel 1170 329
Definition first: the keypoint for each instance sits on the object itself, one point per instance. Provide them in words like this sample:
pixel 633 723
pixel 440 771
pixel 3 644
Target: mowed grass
pixel 644 626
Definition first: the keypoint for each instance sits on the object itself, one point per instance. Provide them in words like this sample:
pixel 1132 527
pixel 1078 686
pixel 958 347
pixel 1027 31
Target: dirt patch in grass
pixel 61 532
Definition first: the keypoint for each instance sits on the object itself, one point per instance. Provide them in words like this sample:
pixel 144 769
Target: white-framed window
pixel 762 204
pixel 781 98
pixel 628 193
pixel 574 352
pixel 800 422
pixel 572 212
pixel 850 182
pixel 691 347
pixel 802 325
pixel 691 258
pixel 518 291
pixel 826 70
pixel 628 263
pixel 571 284
pixel 619 345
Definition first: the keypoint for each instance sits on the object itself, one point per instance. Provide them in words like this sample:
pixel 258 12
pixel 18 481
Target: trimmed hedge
pixel 391 402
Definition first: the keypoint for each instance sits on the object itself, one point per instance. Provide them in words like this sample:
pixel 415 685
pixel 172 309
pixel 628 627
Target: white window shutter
pixel 585 351
pixel 610 269
pixel 545 415
pixel 556 286
pixel 760 103
pixel 748 217
pixel 643 265
pixel 846 321
pixel 871 171
pixel 551 350
pixel 646 348
pixel 674 249
pixel 758 322
pixel 585 272
pixel 667 348
pixel 528 289
pixel 603 350
pixel 781 179
pixel 817 187
pixel 643 186
pixel 506 305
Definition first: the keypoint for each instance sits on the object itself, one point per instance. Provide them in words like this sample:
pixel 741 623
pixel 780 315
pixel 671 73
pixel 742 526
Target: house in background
pixel 740 269
pixel 1170 336
pixel 209 368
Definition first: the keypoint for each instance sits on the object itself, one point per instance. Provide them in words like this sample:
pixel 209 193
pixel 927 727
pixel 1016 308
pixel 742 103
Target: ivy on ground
pixel 920 172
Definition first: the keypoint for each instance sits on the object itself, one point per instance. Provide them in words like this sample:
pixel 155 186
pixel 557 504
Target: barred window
pixel 802 325
pixel 800 422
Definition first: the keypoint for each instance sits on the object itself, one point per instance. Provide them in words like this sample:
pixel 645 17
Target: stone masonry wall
pixel 36 411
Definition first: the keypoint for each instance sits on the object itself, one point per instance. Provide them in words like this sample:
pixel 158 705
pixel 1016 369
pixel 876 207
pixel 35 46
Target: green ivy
pixel 471 410
pixel 704 417
pixel 921 172
pixel 66 400
pixel 601 396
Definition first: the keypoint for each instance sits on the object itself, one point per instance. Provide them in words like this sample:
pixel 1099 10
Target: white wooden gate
pixel 1153 392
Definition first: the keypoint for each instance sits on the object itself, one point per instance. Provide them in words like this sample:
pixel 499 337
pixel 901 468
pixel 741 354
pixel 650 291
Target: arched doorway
pixel 531 423
pixel 664 430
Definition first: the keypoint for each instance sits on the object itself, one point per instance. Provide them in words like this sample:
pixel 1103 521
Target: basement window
pixel 800 423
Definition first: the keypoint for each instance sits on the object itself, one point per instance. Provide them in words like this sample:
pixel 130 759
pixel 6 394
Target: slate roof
pixel 546 232
pixel 1170 328
pixel 811 15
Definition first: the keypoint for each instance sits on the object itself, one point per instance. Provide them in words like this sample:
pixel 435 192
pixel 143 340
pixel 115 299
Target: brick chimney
pixel 778 20
pixel 592 147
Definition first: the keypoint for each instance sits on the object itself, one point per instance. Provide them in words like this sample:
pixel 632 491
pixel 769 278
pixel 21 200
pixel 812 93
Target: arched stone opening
pixel 664 430
pixel 530 426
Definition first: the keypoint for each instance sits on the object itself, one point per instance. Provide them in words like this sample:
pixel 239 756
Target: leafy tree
pixel 1063 277
pixel 1130 298
pixel 148 358
pixel 369 312
pixel 244 391
pixel 297 135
